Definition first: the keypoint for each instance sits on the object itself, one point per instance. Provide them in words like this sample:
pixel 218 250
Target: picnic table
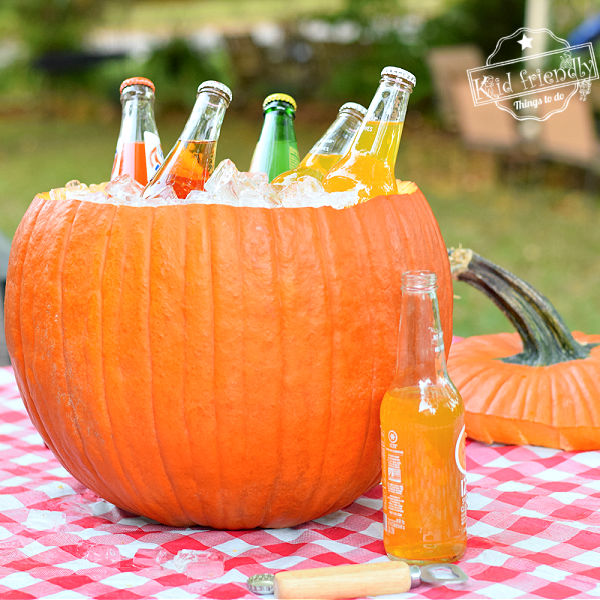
pixel 533 531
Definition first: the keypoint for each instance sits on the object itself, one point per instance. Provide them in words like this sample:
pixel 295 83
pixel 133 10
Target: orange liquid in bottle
pixel 186 168
pixel 369 166
pixel 131 160
pixel 312 165
pixel 317 165
pixel 423 474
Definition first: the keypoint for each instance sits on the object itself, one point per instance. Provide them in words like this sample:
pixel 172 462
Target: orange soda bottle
pixel 369 164
pixel 139 153
pixel 331 147
pixel 191 161
pixel 422 438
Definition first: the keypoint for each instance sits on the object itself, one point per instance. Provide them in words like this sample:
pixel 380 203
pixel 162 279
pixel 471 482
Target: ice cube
pixel 163 195
pixel 339 200
pixel 75 190
pixel 224 182
pixel 197 564
pixel 151 557
pixel 306 191
pixel 45 520
pixel 124 189
pixel 199 197
pixel 58 194
pixel 102 554
pixel 74 185
pixel 254 189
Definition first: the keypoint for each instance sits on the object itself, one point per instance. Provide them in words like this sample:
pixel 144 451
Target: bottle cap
pixel 401 73
pixel 136 81
pixel 217 86
pixel 281 98
pixel 359 108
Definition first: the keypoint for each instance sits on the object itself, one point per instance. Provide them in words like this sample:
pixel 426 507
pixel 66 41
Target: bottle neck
pixel 278 124
pixel 276 150
pixel 339 136
pixel 420 357
pixel 380 132
pixel 137 115
pixel 204 123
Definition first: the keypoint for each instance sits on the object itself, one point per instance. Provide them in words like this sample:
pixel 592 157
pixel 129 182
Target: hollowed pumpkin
pixel 215 365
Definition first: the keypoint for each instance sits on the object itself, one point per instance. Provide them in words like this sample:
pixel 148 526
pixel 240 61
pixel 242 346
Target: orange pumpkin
pixel 215 365
pixel 537 386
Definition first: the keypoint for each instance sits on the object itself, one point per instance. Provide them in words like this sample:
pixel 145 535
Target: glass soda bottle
pixel 422 438
pixel 139 153
pixel 192 160
pixel 276 150
pixel 331 147
pixel 369 164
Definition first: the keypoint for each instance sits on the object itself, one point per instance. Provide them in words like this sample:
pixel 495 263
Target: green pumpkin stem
pixel 546 339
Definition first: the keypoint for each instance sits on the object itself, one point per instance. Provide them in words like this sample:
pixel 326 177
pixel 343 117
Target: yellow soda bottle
pixel 369 164
pixel 331 147
pixel 422 438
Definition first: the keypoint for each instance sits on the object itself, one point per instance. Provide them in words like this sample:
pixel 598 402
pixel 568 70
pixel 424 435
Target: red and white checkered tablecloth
pixel 534 531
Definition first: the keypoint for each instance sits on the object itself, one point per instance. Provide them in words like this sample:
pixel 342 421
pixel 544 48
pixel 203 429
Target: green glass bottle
pixel 276 150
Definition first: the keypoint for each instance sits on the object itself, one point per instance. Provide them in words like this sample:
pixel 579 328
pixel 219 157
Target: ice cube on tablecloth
pixel 45 520
pixel 197 564
pixel 124 189
pixel 151 557
pixel 102 554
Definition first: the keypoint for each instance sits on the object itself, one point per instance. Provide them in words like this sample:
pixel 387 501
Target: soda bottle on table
pixel 369 164
pixel 331 147
pixel 276 150
pixel 422 438
pixel 139 153
pixel 191 161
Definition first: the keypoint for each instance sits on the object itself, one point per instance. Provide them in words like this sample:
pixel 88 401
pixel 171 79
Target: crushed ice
pixel 226 185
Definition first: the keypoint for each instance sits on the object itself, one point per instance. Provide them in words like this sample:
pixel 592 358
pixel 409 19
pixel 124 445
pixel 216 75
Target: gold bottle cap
pixel 282 98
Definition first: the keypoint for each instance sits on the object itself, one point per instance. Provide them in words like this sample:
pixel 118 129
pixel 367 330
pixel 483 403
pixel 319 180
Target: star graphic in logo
pixel 525 42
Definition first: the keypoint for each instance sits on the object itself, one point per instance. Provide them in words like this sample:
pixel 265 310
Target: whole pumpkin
pixel 537 386
pixel 215 365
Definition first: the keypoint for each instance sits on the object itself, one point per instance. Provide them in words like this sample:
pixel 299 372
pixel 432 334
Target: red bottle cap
pixel 136 81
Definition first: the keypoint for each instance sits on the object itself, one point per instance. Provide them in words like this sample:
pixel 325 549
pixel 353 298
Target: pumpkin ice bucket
pixel 210 364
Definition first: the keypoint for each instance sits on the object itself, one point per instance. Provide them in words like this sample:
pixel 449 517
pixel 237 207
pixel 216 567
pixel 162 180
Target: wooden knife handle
pixel 347 581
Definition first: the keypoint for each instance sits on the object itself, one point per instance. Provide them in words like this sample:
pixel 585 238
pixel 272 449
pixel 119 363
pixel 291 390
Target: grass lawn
pixel 546 234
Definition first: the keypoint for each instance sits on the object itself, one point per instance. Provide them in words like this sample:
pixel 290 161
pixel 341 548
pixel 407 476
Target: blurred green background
pixel 535 213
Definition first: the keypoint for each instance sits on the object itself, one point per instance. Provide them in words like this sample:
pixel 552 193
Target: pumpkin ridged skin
pixel 215 365
pixel 538 386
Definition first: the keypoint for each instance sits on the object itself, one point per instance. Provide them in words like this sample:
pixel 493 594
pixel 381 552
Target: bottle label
pixel 461 464
pixel 154 154
pixel 294 157
pixel 393 488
